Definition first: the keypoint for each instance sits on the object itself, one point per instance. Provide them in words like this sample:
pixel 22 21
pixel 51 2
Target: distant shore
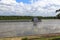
pixel 24 17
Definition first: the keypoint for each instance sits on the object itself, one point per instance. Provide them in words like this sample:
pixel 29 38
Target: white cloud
pixel 36 8
pixel 8 1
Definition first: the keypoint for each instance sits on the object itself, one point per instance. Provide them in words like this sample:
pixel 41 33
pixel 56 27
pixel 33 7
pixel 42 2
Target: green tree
pixel 58 15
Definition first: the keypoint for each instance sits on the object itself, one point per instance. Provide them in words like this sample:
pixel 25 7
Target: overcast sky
pixel 29 7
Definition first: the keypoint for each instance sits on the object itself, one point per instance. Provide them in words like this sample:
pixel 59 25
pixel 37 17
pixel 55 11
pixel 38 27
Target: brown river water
pixel 10 29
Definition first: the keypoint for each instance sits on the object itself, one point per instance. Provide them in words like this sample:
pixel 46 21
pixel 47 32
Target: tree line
pixel 27 17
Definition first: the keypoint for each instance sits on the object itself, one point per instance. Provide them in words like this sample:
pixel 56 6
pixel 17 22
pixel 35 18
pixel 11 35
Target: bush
pixel 24 38
pixel 56 39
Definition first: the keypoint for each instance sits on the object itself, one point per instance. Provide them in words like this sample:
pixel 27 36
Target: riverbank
pixel 53 36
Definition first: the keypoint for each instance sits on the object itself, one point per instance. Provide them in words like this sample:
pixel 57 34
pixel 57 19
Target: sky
pixel 29 7
pixel 24 1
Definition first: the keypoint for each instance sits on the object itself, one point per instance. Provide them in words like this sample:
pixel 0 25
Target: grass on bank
pixel 32 38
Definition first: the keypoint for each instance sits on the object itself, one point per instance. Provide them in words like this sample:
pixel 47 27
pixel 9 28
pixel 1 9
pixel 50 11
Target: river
pixel 18 28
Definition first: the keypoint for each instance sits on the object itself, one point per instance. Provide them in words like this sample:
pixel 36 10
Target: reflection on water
pixel 8 29
pixel 34 24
